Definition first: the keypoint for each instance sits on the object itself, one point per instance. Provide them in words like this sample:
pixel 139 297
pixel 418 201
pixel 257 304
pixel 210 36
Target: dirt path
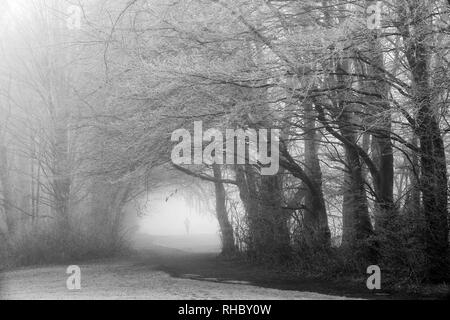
pixel 154 272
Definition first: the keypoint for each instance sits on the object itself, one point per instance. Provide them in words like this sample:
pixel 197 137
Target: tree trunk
pixel 273 220
pixel 315 217
pixel 62 180
pixel 6 191
pixel 382 151
pixel 433 180
pixel 247 184
pixel 321 237
pixel 357 227
pixel 412 203
pixel 117 210
pixel 356 222
pixel 226 229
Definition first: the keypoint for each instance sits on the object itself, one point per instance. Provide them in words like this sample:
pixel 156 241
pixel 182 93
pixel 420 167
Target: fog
pixel 174 222
pixel 164 218
pixel 311 136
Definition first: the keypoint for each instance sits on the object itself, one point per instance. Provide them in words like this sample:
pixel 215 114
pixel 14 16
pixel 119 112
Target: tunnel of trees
pixel 88 108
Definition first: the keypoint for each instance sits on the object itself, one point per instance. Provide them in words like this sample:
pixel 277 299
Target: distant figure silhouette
pixel 187 224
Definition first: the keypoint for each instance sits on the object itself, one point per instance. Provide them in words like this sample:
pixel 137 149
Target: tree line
pixel 87 119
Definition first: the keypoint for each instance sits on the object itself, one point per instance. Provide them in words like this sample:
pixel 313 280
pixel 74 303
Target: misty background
pixel 91 92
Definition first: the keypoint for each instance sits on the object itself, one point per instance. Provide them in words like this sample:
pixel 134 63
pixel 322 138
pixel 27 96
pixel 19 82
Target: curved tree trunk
pixel 320 233
pixel 226 229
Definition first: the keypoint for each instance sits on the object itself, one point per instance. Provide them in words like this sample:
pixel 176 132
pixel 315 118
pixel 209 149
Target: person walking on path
pixel 187 225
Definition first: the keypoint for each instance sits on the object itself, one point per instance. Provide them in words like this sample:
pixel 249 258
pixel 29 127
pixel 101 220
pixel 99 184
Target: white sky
pixel 15 10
